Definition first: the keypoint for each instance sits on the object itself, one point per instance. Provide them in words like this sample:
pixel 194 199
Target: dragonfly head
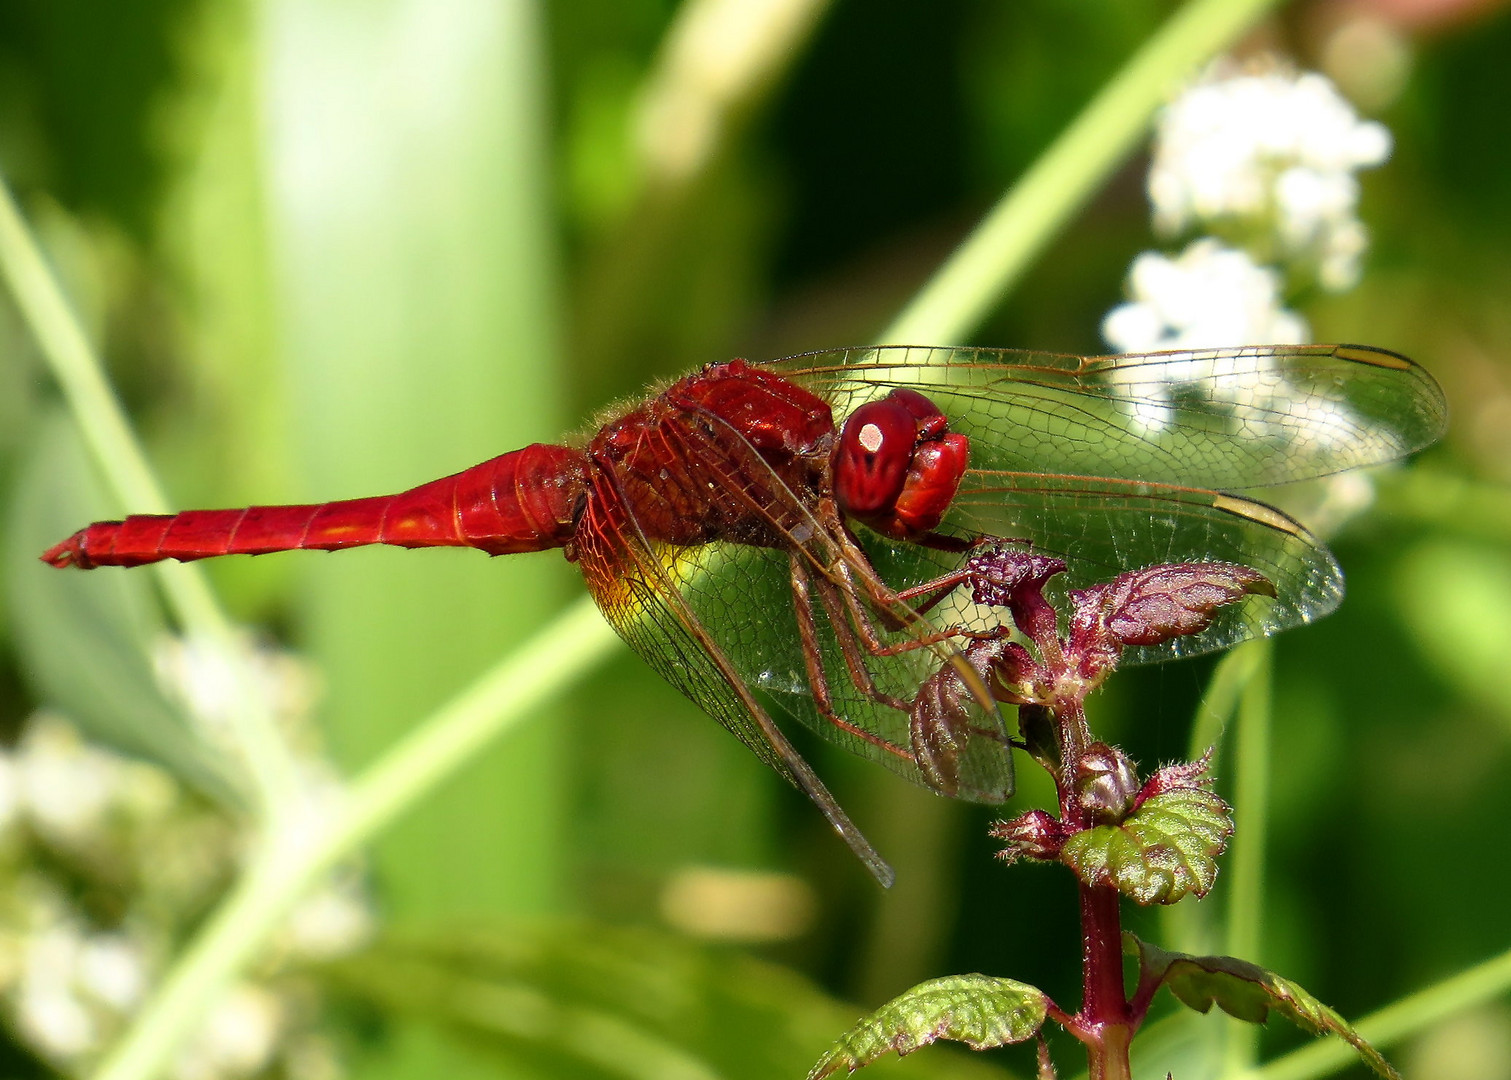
pixel 897 465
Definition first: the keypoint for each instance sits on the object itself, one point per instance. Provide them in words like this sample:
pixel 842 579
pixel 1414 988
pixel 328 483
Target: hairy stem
pixel 1075 736
pixel 1104 1024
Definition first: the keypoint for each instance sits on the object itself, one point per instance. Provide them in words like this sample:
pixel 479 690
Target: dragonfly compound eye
pixel 871 464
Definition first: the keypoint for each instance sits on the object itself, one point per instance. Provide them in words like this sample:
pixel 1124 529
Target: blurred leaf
pixel 1165 850
pixel 587 1000
pixel 415 272
pixel 979 1010
pixel 1455 596
pixel 85 639
pixel 1248 992
pixel 92 75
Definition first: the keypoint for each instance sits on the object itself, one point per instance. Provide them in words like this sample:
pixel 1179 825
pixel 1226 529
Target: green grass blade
pixel 1415 1013
pixel 119 458
pixel 987 265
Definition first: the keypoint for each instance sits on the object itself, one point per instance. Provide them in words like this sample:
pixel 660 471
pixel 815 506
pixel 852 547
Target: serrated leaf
pixel 978 1010
pixel 1164 850
pixel 1248 992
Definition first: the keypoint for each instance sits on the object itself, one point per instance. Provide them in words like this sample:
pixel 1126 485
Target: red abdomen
pixel 525 500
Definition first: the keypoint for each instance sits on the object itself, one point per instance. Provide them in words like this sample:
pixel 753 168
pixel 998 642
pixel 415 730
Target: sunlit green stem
pixel 717 58
pixel 1188 927
pixel 1418 1012
pixel 503 698
pixel 989 262
pixel 120 460
pixel 1251 797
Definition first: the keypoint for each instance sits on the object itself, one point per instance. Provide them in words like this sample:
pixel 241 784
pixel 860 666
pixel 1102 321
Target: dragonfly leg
pixel 807 633
pixel 852 644
pixel 923 597
pixel 855 633
pixel 818 681
pixel 940 726
pixel 894 611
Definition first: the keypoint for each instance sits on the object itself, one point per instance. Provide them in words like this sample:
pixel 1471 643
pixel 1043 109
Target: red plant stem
pixel 1105 1023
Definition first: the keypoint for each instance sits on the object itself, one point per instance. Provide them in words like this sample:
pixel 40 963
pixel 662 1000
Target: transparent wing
pixel 1216 418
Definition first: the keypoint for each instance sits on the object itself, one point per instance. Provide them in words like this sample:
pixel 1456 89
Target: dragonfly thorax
pixel 733 453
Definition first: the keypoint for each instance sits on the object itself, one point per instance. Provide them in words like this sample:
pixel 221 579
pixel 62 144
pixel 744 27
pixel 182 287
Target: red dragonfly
pixel 784 540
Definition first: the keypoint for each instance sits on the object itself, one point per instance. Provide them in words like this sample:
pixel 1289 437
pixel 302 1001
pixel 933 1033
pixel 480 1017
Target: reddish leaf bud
pixel 1034 835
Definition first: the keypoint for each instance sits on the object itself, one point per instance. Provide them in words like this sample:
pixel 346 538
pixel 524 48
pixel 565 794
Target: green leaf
pixel 1247 992
pixel 1166 849
pixel 978 1010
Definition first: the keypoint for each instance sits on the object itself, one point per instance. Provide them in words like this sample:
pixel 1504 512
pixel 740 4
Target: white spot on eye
pixel 870 438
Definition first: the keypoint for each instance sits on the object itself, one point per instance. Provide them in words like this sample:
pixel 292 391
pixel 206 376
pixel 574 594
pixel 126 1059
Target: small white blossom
pixel 209 683
pixel 113 969
pixel 1270 149
pixel 48 1010
pixel 1208 296
pixel 332 922
pixel 66 785
pixel 55 1021
pixel 237 1039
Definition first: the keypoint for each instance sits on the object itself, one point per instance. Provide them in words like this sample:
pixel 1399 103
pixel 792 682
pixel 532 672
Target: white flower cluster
pixel 1264 158
pixel 78 821
pixel 1271 149
pixel 207 681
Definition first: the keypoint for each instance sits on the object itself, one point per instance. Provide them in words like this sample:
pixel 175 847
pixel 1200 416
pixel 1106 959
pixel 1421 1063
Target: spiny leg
pixel 850 645
pixel 813 660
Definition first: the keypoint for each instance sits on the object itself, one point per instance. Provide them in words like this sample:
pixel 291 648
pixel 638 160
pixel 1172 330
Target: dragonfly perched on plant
pixel 786 539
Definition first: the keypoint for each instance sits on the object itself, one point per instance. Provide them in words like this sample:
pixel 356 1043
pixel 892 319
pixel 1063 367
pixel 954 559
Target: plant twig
pixel 120 460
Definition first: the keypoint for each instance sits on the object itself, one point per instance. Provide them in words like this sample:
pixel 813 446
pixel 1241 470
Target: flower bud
pixel 1107 784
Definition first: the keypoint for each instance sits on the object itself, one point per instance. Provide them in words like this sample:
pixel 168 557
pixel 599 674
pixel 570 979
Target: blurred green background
pixel 333 248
